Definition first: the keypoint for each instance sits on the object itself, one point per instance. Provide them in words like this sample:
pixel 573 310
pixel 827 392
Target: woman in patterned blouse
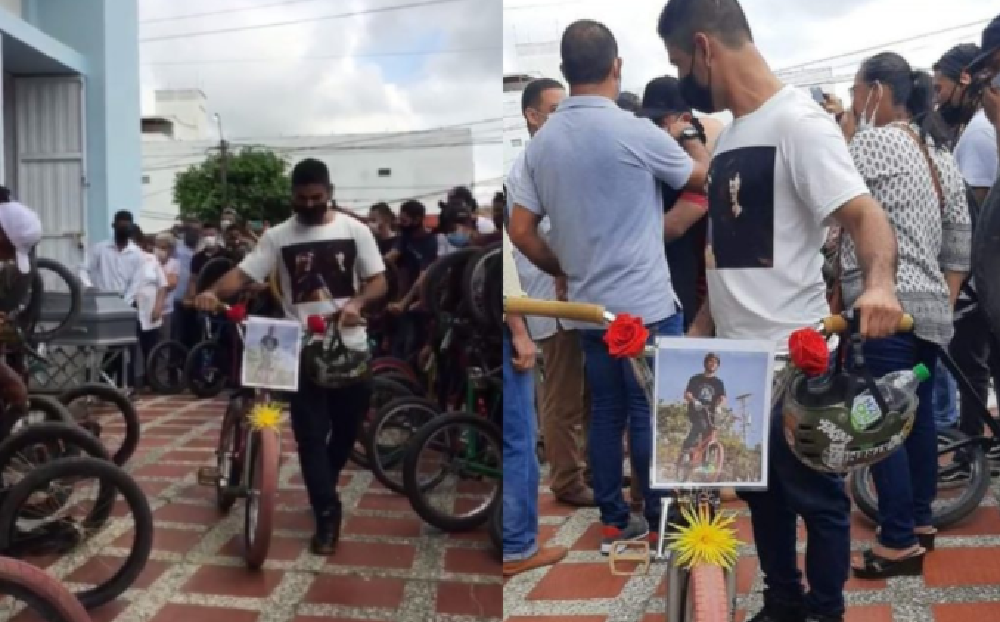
pixel 919 186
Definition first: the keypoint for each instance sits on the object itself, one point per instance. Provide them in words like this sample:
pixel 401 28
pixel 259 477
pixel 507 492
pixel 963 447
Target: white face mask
pixel 210 241
pixel 226 224
pixel 866 122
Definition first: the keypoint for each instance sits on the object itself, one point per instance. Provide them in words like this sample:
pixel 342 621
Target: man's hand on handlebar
pixel 207 302
pixel 879 312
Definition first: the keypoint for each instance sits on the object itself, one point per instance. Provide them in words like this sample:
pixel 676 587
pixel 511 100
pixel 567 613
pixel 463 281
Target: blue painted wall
pixel 106 33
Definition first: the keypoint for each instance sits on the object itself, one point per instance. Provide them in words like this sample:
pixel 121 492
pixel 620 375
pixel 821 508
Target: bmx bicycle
pixel 697 591
pixel 248 459
pixel 708 455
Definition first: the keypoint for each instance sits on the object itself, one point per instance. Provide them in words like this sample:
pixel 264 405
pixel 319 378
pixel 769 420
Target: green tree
pixel 258 186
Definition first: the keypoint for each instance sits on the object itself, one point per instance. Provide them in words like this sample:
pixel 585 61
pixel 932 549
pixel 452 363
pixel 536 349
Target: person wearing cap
pixel 20 232
pixel 685 227
pixel 593 170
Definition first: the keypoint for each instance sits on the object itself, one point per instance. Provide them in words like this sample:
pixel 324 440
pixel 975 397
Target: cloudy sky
pixel 789 32
pixel 406 69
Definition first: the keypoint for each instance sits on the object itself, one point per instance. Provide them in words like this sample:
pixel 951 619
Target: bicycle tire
pixel 53 409
pixel 109 394
pixel 705 596
pixel 264 456
pixel 391 364
pixel 213 270
pixel 383 392
pixel 441 289
pixel 416 411
pixel 121 482
pixel 231 443
pixel 44 595
pixel 474 281
pixel 154 380
pixel 413 387
pixel 414 490
pixel 51 432
pixel 75 301
pixel 198 385
pixel 973 494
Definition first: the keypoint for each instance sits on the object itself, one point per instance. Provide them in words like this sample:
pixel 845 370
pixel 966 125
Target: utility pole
pixel 742 399
pixel 223 163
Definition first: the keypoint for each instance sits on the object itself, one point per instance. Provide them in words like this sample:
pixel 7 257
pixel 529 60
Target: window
pixel 385 172
pixel 517 142
pixel 145 179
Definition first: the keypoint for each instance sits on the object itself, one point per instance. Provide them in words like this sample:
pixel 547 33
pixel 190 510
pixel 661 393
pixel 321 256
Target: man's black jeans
pixel 700 425
pixel 326 423
pixel 976 352
pixel 793 489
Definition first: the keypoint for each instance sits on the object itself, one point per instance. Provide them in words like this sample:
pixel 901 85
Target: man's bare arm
pixel 523 232
pixel 680 218
pixel 373 289
pixel 955 281
pixel 703 325
pixel 874 238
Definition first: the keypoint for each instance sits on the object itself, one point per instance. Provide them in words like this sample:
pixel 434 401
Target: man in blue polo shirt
pixel 595 171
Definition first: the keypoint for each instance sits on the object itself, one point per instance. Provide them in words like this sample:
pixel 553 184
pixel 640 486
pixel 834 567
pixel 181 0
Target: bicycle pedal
pixel 636 551
pixel 209 476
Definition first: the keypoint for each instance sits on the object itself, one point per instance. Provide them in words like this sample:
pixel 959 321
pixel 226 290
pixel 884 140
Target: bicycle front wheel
pixel 41 593
pixel 453 470
pixel 265 451
pixel 706 595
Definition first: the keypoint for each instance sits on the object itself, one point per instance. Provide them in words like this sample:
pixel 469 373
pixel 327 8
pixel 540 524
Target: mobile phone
pixel 818 95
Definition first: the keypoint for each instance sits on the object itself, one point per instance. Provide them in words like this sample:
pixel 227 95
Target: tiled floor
pixel 389 566
pixel 961 582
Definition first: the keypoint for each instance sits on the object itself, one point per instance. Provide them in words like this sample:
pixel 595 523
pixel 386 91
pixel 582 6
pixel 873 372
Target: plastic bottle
pixel 896 388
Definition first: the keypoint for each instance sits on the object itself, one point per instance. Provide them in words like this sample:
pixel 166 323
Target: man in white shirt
pixel 781 172
pixel 113 265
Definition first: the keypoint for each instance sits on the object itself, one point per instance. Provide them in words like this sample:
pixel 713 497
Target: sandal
pixel 878 567
pixel 925 540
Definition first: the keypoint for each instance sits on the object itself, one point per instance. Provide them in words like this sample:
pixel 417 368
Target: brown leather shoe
pixel 582 498
pixel 544 557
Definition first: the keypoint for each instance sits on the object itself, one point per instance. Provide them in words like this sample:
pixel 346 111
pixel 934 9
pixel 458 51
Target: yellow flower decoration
pixel 265 416
pixel 705 540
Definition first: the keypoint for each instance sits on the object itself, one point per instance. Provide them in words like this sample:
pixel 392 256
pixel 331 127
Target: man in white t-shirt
pixel 327 263
pixel 780 174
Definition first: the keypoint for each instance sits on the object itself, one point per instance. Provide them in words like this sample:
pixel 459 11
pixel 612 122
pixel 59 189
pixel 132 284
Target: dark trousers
pixel 326 423
pixel 793 489
pixel 147 341
pixel 186 328
pixel 906 481
pixel 976 352
pixel 700 425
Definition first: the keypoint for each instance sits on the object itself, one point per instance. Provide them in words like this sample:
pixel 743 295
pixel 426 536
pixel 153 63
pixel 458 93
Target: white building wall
pixel 515 130
pixel 188 110
pixel 423 165
pixel 13 6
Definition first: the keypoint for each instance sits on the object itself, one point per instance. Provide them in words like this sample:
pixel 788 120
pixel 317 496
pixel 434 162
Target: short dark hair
pixel 4 194
pixel 463 194
pixel 310 171
pixel 382 209
pixel 123 215
pixel 413 209
pixel 588 51
pixel 531 97
pixel 681 19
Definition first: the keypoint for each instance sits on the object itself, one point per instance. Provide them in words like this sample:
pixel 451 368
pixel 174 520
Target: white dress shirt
pixel 112 270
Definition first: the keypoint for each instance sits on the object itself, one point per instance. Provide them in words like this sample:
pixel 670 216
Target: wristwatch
pixel 688 133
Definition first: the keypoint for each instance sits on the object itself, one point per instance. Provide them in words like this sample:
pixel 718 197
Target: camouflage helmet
pixel 330 364
pixel 823 434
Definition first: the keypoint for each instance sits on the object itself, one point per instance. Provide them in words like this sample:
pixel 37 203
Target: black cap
pixel 662 97
pixel 628 101
pixel 955 60
pixel 990 46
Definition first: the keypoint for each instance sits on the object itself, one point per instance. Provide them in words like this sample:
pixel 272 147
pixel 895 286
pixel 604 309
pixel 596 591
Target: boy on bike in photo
pixel 705 394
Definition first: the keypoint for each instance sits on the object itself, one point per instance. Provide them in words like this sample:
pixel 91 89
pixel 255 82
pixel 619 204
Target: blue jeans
pixel 906 481
pixel 617 401
pixel 820 499
pixel 945 400
pixel 520 462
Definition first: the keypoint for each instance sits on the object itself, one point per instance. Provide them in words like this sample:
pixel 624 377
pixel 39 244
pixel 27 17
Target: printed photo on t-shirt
pixel 741 208
pixel 322 273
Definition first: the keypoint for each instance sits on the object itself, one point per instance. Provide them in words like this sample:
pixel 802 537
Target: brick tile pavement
pixel 390 567
pixel 961 581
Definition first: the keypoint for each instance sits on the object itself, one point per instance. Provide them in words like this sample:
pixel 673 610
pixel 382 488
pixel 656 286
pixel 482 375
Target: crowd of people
pixel 799 207
pixel 159 274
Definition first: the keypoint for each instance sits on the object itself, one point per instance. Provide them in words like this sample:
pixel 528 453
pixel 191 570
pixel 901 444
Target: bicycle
pixel 41 593
pixel 708 454
pixel 247 460
pixel 702 591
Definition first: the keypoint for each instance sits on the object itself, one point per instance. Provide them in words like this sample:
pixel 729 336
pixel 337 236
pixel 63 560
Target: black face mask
pixel 191 238
pixel 697 96
pixel 122 233
pixel 957 113
pixel 310 216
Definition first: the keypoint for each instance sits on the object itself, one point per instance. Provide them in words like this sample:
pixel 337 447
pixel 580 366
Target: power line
pixel 287 59
pixel 157 20
pixel 292 22
pixel 882 46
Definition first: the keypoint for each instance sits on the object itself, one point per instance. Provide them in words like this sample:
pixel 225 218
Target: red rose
pixel 316 324
pixel 626 337
pixel 237 313
pixel 808 351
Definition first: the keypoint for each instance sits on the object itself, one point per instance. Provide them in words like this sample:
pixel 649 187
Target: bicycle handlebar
pixel 836 324
pixel 578 311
